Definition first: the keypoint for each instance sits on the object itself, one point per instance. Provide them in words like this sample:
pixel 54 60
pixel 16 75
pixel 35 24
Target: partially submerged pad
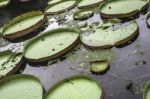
pixel 21 87
pixel 83 14
pixel 146 92
pixel 122 8
pixel 61 7
pixel 23 24
pixel 10 62
pixel 89 3
pixel 75 88
pixel 4 2
pixel 104 37
pixel 51 45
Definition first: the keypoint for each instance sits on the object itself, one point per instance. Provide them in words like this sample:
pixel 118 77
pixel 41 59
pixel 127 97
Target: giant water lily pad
pixel 61 7
pixel 9 63
pixel 75 88
pixel 122 8
pixel 89 3
pixel 51 45
pixel 23 24
pixel 21 87
pixel 104 37
pixel 4 2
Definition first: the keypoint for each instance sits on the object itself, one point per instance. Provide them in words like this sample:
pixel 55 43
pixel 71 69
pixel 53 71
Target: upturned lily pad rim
pixel 24 31
pixel 146 88
pixel 51 32
pixel 74 77
pixel 91 5
pixel 18 65
pixel 80 11
pixel 121 16
pixel 61 11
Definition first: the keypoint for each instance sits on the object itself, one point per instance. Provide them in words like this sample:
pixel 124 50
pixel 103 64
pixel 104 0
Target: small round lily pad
pixel 77 87
pixel 108 36
pixel 51 44
pixel 83 4
pixel 99 67
pixel 122 8
pixel 10 62
pixel 23 24
pixel 21 87
pixel 83 14
pixel 61 7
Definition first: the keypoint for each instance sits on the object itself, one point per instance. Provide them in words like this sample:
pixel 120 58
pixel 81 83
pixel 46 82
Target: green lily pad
pixel 61 7
pixel 146 92
pixel 50 2
pixel 122 8
pixel 77 87
pixel 104 36
pixel 99 67
pixel 21 87
pixel 9 63
pixel 83 14
pixel 23 24
pixel 4 2
pixel 51 45
pixel 89 3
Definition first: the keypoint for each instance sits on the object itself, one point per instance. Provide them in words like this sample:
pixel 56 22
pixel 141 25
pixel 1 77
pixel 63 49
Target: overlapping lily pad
pixel 122 8
pixel 89 3
pixel 21 87
pixel 23 24
pixel 83 14
pixel 77 87
pixel 61 7
pixel 51 45
pixel 107 36
pixel 4 2
pixel 10 62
